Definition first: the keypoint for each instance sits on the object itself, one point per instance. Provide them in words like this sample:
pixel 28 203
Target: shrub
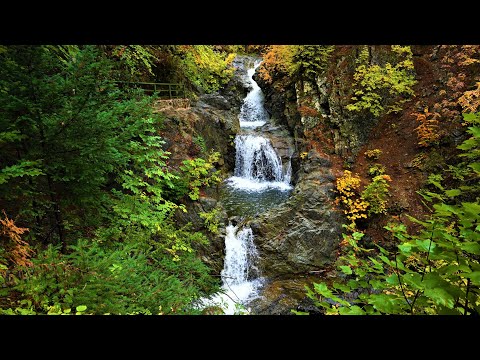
pixel 383 88
pixel 375 194
pixel 373 154
pixel 376 170
pixel 347 188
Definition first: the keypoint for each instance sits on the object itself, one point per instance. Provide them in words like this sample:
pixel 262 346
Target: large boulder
pixel 302 234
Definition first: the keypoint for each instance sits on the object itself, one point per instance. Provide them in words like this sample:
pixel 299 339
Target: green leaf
pixel 452 269
pixel 377 284
pixel 475 166
pixel 405 247
pixel 426 245
pixel 440 297
pixel 471 209
pixel 388 304
pixel 385 259
pixel 453 192
pixel 392 279
pixel 81 308
pixel 346 269
pixel 414 280
pixel 469 116
pixel 446 209
pixel 342 287
pixel 475 131
pixel 299 312
pixel 353 310
pixel 471 247
pixel 474 276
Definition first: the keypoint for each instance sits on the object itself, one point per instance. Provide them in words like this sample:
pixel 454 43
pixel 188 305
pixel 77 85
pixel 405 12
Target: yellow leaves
pixel 277 59
pixel 373 154
pixel 347 186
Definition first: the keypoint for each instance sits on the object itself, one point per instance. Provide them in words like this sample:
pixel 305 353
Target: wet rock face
pixel 281 296
pixel 303 233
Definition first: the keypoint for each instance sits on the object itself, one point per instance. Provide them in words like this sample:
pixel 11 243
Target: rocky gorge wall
pixel 328 94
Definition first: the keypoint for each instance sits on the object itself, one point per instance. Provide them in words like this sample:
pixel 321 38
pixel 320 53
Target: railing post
pixel 170 90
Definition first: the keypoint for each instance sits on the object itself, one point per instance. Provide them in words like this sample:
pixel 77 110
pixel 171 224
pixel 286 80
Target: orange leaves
pixel 428 131
pixel 386 177
pixel 276 60
pixel 305 110
pixel 470 100
pixel 17 251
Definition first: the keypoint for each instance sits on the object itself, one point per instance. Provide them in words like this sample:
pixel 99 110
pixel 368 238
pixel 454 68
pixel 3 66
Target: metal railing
pixel 164 90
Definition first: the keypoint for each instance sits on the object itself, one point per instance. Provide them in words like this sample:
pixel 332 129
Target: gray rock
pixel 303 233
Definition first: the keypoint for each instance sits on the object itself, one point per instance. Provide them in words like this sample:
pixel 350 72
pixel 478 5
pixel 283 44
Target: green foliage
pixel 136 58
pixel 197 172
pixel 376 193
pixel 142 202
pixel 383 88
pixel 200 142
pixel 435 271
pixel 376 170
pixel 211 219
pixel 83 166
pixel 23 168
pixel 309 61
pixel 70 117
pixel 134 277
pixel 206 68
pixel 295 61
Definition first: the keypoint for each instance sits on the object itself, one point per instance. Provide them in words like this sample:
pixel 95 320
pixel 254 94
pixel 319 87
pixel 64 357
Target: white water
pixel 252 112
pixel 256 159
pixel 258 167
pixel 238 272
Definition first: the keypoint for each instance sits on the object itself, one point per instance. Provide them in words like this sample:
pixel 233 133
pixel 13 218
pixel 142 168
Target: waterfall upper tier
pixel 253 113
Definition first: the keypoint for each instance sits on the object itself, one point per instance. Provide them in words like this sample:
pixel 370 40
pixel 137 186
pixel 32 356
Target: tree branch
pixel 400 282
pixel 425 268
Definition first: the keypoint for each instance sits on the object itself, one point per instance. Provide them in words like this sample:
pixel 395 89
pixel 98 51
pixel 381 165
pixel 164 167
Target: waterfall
pixel 258 166
pixel 252 112
pixel 256 159
pixel 240 273
pixel 240 256
pixel 258 171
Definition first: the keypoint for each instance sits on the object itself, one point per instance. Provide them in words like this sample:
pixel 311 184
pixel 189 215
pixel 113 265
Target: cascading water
pixel 260 179
pixel 240 273
pixel 257 165
pixel 252 113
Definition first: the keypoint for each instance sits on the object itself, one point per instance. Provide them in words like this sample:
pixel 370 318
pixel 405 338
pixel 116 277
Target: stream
pixel 260 180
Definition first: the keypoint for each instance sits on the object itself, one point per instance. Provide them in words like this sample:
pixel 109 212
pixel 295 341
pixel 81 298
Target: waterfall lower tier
pixel 240 256
pixel 239 276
